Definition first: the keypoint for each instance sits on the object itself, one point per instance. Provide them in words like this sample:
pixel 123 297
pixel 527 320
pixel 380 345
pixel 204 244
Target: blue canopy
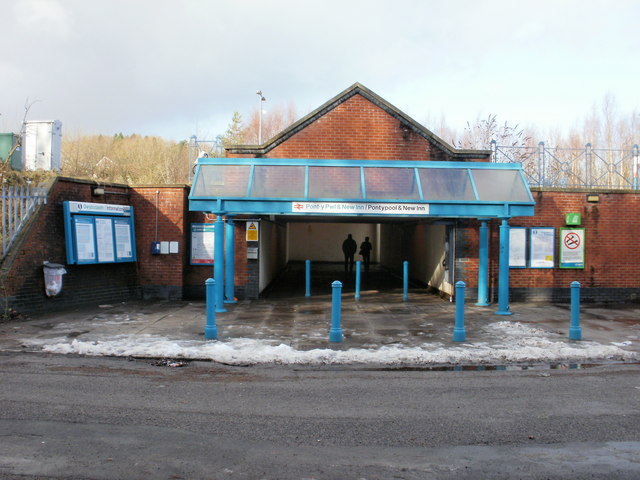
pixel 273 186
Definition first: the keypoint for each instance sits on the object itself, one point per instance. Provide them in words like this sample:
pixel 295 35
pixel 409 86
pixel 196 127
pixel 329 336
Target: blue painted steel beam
pixel 218 261
pixel 230 266
pixel 451 209
pixel 483 265
pixel 331 162
pixel 503 272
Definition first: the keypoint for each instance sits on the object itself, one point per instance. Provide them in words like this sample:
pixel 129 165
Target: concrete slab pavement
pixel 375 323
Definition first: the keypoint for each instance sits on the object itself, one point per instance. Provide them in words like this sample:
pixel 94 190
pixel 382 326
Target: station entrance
pixel 306 207
pixel 427 244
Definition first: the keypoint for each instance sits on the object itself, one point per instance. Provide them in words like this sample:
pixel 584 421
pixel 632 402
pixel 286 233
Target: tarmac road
pixel 109 418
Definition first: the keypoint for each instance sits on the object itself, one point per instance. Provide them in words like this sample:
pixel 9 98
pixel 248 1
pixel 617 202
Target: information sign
pixel 253 231
pixel 202 239
pixel 104 239
pixel 99 233
pixel 572 248
pixel 542 246
pixel 517 247
pixel 85 243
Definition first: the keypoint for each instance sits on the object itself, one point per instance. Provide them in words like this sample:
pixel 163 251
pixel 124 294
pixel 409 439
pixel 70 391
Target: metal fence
pixel 203 148
pixel 573 167
pixel 18 203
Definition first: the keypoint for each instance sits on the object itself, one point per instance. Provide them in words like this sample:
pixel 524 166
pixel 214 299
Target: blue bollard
pixel 405 281
pixel 211 330
pixel 358 280
pixel 459 333
pixel 335 334
pixel 307 278
pixel 575 331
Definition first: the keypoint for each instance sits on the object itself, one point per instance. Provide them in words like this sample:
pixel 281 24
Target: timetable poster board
pixel 542 246
pixel 124 245
pixel 517 247
pixel 99 233
pixel 85 243
pixel 104 239
pixel 572 248
pixel 202 241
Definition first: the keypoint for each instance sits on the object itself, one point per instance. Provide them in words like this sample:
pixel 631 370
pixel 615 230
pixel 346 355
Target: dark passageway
pixel 291 282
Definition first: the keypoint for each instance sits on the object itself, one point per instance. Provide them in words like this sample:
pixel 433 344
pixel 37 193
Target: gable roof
pixel 359 89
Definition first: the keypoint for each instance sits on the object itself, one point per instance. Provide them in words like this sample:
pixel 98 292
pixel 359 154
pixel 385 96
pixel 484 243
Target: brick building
pixel 356 125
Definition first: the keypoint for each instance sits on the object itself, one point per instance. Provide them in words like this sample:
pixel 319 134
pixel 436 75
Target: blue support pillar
pixel 483 266
pixel 218 261
pixel 575 331
pixel 357 296
pixel 503 279
pixel 335 334
pixel 405 281
pixel 211 329
pixel 230 267
pixel 459 332
pixel 307 278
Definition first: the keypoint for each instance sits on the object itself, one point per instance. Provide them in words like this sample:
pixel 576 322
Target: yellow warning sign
pixel 252 232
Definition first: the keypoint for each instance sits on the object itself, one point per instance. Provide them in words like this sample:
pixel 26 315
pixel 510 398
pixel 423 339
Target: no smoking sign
pixel 572 240
pixel 572 248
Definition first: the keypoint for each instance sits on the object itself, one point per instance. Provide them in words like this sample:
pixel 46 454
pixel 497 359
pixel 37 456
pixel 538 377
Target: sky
pixel 178 68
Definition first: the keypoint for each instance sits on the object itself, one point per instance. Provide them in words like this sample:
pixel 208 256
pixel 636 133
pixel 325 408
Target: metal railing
pixel 203 148
pixel 573 167
pixel 18 203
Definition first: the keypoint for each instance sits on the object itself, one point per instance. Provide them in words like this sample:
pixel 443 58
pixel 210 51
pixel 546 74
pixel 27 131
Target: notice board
pixel 572 248
pixel 542 245
pixel 202 243
pixel 517 247
pixel 99 233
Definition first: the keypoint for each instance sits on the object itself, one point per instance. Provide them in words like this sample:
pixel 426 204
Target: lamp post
pixel 262 99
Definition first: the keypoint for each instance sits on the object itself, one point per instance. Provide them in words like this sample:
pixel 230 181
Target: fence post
pixel 335 334
pixel 575 331
pixel 635 167
pixel 459 333
pixel 588 167
pixel 405 281
pixel 358 280
pixel 211 330
pixel 307 278
pixel 542 164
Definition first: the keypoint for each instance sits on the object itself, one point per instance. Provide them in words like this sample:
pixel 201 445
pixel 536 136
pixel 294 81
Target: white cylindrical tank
pixel 41 145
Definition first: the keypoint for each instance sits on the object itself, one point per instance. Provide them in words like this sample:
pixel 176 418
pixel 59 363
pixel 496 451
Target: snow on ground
pixel 511 342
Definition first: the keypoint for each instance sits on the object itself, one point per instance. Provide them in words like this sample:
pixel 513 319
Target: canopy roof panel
pixel 273 186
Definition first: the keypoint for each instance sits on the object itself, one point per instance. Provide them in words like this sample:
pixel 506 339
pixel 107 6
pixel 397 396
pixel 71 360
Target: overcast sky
pixel 177 68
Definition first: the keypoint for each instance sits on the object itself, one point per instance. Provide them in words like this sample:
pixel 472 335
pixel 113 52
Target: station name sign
pixel 99 208
pixel 361 208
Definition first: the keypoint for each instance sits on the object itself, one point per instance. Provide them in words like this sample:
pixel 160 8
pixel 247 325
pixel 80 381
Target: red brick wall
pixel 612 264
pixel 356 129
pixel 43 240
pixel 161 272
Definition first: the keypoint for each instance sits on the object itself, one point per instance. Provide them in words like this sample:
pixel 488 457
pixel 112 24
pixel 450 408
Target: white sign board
pixel 202 240
pixel 104 240
pixel 542 247
pixel 361 208
pixel 517 247
pixel 571 248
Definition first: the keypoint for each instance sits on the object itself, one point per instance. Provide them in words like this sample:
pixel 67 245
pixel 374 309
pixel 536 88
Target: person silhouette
pixel 365 251
pixel 349 247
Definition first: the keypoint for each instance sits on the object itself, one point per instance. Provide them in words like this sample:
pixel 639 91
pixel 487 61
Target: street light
pixel 262 99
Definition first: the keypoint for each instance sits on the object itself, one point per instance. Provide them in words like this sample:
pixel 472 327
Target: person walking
pixel 365 251
pixel 349 247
